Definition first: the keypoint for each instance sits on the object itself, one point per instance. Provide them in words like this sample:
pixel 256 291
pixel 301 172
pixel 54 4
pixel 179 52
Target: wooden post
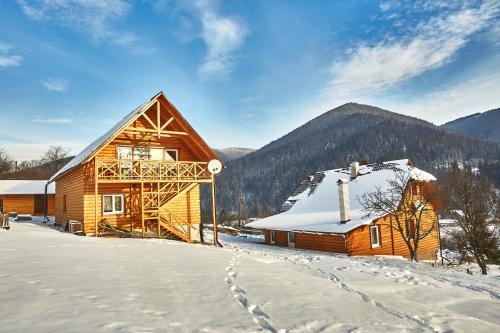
pixel 158 214
pixel 142 208
pixel 96 224
pixel 158 118
pixel 214 216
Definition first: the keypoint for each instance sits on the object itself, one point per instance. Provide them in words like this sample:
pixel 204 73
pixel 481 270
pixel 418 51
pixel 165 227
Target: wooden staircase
pixel 155 205
pixel 175 225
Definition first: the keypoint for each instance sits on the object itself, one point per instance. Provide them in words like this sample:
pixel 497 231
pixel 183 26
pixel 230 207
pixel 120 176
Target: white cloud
pixel 21 151
pixel 56 84
pixel 428 45
pixel 95 17
pixel 6 58
pixel 52 120
pixel 224 36
pixel 470 96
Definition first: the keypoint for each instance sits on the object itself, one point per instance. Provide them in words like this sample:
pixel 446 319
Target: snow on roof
pixel 25 187
pixel 316 208
pixel 94 146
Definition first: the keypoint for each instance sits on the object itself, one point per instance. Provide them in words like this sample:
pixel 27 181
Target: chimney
pixel 354 169
pixel 345 211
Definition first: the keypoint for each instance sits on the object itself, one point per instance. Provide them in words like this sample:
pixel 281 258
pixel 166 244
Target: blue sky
pixel 242 72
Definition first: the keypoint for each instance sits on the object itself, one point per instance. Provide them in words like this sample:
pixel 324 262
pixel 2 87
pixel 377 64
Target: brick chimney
pixel 345 211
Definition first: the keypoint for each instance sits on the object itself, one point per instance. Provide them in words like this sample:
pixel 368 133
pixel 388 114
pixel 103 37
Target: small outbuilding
pixel 26 197
pixel 324 213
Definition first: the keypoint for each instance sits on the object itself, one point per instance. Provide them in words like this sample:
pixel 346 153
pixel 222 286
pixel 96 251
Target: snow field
pixel 56 282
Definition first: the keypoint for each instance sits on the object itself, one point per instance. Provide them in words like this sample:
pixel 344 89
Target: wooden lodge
pixel 26 197
pixel 311 218
pixel 142 177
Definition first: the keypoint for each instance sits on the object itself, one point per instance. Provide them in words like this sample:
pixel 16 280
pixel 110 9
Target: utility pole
pixel 239 209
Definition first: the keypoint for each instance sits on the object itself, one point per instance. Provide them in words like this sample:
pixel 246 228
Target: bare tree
pixel 54 157
pixel 406 202
pixel 473 203
pixel 6 163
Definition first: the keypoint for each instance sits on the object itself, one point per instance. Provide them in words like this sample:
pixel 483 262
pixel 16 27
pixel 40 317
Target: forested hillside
pixel 351 132
pixel 484 125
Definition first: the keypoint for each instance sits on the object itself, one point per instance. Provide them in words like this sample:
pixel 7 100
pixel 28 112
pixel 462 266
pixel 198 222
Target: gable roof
pixel 95 146
pixel 25 187
pixel 314 206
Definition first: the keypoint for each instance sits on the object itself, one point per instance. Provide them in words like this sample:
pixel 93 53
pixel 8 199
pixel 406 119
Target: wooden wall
pixel 307 241
pixel 70 185
pixel 25 203
pixel 327 243
pixel 359 243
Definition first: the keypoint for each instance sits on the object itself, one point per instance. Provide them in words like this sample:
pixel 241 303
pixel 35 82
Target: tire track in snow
pixel 259 316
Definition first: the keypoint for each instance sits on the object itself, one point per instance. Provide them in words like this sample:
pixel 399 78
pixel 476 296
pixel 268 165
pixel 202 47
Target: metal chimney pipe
pixel 345 210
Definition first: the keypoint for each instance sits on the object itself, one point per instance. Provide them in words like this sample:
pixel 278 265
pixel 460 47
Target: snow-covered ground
pixel 56 282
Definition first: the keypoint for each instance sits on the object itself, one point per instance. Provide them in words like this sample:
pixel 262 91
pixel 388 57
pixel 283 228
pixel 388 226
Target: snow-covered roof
pixel 315 207
pixel 25 187
pixel 94 146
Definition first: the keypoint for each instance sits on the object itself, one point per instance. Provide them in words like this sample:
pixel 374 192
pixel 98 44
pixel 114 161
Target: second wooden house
pixel 143 175
pixel 324 213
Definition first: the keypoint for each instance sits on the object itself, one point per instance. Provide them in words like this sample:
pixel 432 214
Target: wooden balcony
pixel 137 171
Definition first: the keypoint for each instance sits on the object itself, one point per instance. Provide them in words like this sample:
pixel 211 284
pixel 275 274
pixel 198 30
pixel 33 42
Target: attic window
pixel 374 236
pixel 172 155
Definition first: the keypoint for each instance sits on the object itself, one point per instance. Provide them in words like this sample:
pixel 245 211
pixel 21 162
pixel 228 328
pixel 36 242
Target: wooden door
pixel 39 208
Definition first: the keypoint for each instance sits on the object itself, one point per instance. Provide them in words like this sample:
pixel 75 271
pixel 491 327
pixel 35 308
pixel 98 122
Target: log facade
pixel 358 240
pixel 144 178
pixel 32 204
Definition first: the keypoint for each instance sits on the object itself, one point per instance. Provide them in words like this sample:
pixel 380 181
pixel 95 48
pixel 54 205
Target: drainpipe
pixel 46 204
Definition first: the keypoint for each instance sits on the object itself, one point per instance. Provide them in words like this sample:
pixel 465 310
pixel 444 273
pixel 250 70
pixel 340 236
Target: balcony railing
pixel 110 170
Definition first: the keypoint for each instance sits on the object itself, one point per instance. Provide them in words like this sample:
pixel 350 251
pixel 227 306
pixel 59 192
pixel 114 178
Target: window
pixel 141 153
pixel 374 236
pixel 64 204
pixel 291 237
pixel 171 155
pixel 410 227
pixel 113 204
pixel 124 152
pixel 273 236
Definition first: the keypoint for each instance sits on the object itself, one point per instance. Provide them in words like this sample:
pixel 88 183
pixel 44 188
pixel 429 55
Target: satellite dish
pixel 215 167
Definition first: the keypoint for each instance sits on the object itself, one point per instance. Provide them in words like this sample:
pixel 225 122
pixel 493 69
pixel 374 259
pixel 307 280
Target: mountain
pixel 484 125
pixel 351 132
pixel 231 153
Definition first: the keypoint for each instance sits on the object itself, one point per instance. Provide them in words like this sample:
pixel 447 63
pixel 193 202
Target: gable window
pixel 141 153
pixel 124 152
pixel 113 204
pixel 374 236
pixel 171 155
pixel 273 236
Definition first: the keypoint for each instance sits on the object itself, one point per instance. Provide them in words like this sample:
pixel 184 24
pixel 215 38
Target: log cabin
pixel 26 197
pixel 324 213
pixel 142 176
